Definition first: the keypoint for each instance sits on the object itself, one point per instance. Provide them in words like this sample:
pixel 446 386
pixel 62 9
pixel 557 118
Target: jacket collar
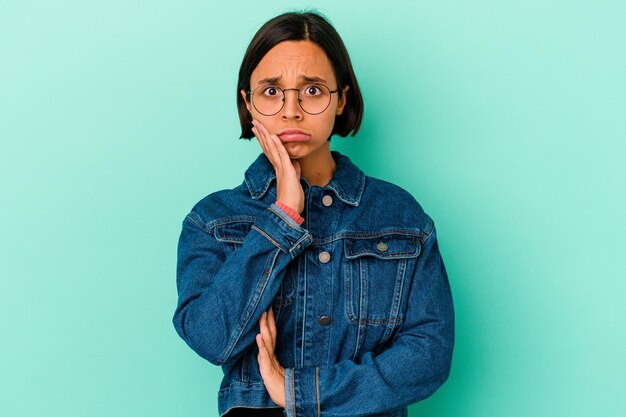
pixel 347 183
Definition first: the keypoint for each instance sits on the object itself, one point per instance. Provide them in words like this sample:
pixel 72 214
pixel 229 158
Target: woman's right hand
pixel 288 188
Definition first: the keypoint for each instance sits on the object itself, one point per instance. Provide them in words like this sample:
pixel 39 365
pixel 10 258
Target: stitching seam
pixel 317 390
pixel 255 227
pixel 293 388
pixel 200 226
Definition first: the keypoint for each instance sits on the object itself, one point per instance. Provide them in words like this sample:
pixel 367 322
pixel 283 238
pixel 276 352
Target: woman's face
pixel 288 65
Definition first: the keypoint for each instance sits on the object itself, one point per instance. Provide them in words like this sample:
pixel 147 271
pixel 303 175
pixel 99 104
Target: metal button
pixel 327 200
pixel 324 257
pixel 382 246
pixel 324 320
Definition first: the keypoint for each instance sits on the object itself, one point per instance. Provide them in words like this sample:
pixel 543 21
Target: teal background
pixel 505 119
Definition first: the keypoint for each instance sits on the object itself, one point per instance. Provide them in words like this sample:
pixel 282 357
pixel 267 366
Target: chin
pixel 295 150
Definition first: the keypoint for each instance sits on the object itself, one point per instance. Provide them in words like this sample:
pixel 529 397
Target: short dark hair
pixel 300 26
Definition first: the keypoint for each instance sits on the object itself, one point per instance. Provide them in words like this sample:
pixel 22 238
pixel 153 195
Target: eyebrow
pixel 308 79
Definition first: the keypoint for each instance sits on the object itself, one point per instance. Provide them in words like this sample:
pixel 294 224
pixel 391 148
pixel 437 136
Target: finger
pixel 263 356
pixel 274 140
pixel 262 322
pixel 297 167
pixel 271 145
pixel 260 136
pixel 271 375
pixel 264 330
pixel 268 364
pixel 271 324
pixel 261 127
pixel 281 151
pixel 267 337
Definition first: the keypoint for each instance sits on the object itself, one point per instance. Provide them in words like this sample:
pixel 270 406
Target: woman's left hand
pixel 272 372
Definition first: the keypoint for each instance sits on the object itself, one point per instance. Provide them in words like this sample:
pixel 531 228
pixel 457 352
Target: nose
pixel 292 109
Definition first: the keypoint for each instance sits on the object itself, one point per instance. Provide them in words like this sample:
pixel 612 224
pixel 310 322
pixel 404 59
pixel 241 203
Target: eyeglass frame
pixel 251 98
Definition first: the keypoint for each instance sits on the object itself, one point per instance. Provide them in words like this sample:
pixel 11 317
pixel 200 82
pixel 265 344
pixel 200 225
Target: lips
pixel 293 135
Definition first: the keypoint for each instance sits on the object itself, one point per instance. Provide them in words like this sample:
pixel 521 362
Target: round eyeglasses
pixel 270 100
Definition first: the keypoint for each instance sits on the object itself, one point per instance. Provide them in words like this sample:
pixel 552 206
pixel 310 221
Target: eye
pixel 271 91
pixel 312 90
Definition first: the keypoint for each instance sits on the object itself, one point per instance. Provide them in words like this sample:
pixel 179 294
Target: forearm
pixel 221 298
pixel 404 374
pixel 413 365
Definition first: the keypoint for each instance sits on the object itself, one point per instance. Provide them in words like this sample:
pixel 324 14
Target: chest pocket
pixel 376 272
pixel 231 232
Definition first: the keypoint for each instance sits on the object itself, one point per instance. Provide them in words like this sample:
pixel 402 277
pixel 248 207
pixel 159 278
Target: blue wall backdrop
pixel 505 119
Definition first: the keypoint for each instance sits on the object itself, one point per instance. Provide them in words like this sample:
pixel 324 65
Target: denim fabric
pixel 360 294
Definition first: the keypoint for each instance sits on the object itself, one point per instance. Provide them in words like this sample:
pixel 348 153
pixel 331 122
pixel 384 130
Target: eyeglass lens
pixel 269 100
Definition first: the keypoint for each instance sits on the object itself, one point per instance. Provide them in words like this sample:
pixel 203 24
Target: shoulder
pixel 219 205
pixel 395 205
pixel 374 186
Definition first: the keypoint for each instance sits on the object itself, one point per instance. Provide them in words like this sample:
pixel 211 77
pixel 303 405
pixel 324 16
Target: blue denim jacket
pixel 363 307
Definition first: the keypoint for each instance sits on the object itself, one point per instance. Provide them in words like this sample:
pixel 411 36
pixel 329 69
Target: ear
pixel 342 102
pixel 244 95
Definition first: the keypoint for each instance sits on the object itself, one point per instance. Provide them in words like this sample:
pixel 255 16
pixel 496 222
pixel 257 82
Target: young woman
pixel 318 289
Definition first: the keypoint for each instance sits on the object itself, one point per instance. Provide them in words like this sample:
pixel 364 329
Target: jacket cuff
pixel 283 231
pixel 302 392
pixel 290 212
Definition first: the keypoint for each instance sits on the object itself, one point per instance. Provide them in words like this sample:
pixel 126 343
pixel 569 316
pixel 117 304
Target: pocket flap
pixel 389 246
pixel 233 230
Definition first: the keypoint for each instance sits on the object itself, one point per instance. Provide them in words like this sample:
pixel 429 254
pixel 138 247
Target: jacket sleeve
pixel 414 365
pixel 221 297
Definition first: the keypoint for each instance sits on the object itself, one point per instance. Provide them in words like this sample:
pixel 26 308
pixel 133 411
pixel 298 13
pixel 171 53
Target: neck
pixel 318 168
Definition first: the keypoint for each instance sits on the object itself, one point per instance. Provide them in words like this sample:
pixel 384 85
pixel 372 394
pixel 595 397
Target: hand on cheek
pixel 288 188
